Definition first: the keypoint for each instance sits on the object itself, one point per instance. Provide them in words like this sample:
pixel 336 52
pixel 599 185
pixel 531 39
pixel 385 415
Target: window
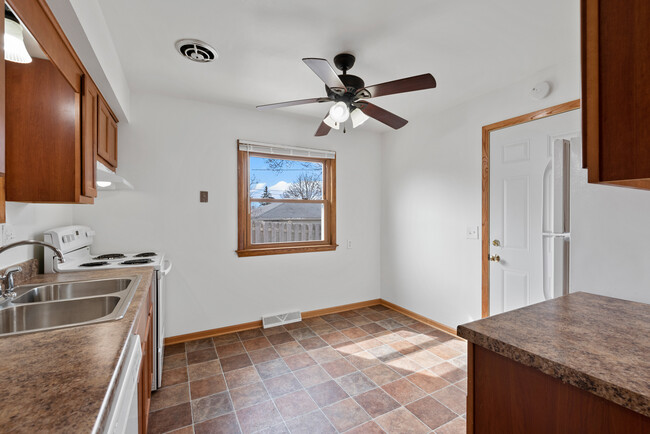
pixel 287 199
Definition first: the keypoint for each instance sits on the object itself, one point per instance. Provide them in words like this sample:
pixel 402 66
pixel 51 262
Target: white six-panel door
pixel 519 156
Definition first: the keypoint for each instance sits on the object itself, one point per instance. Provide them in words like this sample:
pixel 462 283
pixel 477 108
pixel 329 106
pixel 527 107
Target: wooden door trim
pixel 485 174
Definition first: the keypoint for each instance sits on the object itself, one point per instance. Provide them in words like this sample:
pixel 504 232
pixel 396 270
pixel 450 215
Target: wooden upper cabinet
pixel 57 123
pixel 107 136
pixel 43 134
pixel 615 92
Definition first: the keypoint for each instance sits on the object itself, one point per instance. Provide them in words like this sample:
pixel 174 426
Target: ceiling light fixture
pixel 15 50
pixel 340 112
pixel 104 184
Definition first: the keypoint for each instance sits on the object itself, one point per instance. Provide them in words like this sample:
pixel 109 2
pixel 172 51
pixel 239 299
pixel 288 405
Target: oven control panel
pixel 69 238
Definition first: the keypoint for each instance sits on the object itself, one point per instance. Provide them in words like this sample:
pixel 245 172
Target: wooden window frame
pixel 245 247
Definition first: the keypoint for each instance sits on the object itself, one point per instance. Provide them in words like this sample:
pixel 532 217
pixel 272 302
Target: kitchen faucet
pixel 7 280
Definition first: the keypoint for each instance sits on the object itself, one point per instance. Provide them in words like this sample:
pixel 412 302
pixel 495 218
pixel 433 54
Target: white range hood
pixel 109 180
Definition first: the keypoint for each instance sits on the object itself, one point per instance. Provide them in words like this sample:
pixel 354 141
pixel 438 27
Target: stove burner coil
pixel 111 256
pixel 145 254
pixel 136 261
pixel 94 264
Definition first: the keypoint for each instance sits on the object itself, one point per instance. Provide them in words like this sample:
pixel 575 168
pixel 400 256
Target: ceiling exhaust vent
pixel 195 50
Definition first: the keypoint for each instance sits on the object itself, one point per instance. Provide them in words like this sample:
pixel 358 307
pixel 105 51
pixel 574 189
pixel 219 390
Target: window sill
pixel 285 250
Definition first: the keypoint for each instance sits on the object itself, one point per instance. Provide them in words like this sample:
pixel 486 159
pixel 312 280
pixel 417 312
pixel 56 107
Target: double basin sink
pixel 57 305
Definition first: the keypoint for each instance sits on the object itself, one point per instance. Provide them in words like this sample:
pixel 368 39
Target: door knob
pixel 495 258
pixel 496 243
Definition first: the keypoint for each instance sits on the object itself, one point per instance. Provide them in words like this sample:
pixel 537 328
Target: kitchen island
pixel 63 380
pixel 578 363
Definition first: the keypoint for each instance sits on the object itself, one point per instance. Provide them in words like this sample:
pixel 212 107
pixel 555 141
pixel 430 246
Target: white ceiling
pixel 470 46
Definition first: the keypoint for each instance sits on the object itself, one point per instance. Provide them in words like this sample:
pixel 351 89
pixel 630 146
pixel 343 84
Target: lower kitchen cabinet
pixel 506 396
pixel 144 328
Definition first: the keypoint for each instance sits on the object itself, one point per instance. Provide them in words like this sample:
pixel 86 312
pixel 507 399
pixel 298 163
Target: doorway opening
pixel 487 258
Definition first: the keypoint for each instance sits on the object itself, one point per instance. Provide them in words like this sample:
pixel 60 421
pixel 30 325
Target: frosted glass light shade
pixel 340 112
pixel 15 50
pixel 358 117
pixel 331 123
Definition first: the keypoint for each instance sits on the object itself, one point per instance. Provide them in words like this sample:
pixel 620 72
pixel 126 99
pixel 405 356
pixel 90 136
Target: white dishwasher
pixel 123 415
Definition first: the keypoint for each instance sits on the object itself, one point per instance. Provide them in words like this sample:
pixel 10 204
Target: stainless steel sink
pixel 66 291
pixel 46 307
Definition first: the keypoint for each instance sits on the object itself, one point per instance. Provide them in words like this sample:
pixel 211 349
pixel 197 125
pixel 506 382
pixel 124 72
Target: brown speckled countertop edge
pixel 599 387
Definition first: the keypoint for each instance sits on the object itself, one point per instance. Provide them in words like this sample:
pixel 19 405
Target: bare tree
pixel 306 187
pixel 279 166
pixel 266 195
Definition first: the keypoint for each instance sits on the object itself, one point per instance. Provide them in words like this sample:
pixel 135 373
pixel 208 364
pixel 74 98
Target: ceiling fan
pixel 349 94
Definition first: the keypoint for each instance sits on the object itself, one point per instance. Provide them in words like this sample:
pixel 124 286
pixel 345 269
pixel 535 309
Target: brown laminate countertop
pixel 596 343
pixel 57 380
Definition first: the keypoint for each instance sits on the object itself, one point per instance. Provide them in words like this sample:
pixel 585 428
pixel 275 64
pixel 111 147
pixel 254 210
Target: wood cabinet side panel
pixel 3 216
pixel 144 328
pixel 89 142
pixel 511 397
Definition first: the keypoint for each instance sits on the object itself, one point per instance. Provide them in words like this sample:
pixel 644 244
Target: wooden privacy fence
pixel 278 232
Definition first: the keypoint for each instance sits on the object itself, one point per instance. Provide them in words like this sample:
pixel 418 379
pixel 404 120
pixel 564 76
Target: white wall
pixel 29 221
pixel 609 237
pixel 431 191
pixel 174 148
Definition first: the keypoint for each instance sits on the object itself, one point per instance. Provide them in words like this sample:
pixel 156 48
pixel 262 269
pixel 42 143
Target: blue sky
pixel 277 181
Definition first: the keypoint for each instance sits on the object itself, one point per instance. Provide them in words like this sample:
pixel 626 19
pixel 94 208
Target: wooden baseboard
pixel 342 308
pixel 212 332
pixel 256 324
pixel 309 314
pixel 419 317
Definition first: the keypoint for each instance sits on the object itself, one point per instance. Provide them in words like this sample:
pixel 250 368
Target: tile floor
pixel 369 370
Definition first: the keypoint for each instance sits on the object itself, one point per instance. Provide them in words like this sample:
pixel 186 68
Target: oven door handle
pixel 168 268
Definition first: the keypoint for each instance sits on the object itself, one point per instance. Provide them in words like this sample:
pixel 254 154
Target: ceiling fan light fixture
pixel 14 46
pixel 331 122
pixel 339 112
pixel 358 117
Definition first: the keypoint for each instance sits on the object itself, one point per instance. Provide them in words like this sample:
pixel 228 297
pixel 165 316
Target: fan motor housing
pixel 352 84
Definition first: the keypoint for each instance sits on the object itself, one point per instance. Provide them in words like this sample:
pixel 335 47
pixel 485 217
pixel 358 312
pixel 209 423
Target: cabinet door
pixel 43 134
pixel 615 91
pixel 107 140
pixel 90 106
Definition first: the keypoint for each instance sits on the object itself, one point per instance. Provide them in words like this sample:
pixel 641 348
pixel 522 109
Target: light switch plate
pixel 471 232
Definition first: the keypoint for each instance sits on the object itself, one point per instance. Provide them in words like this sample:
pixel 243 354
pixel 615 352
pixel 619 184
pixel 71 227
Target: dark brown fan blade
pixel 383 116
pixel 290 103
pixel 325 72
pixel 410 84
pixel 323 129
